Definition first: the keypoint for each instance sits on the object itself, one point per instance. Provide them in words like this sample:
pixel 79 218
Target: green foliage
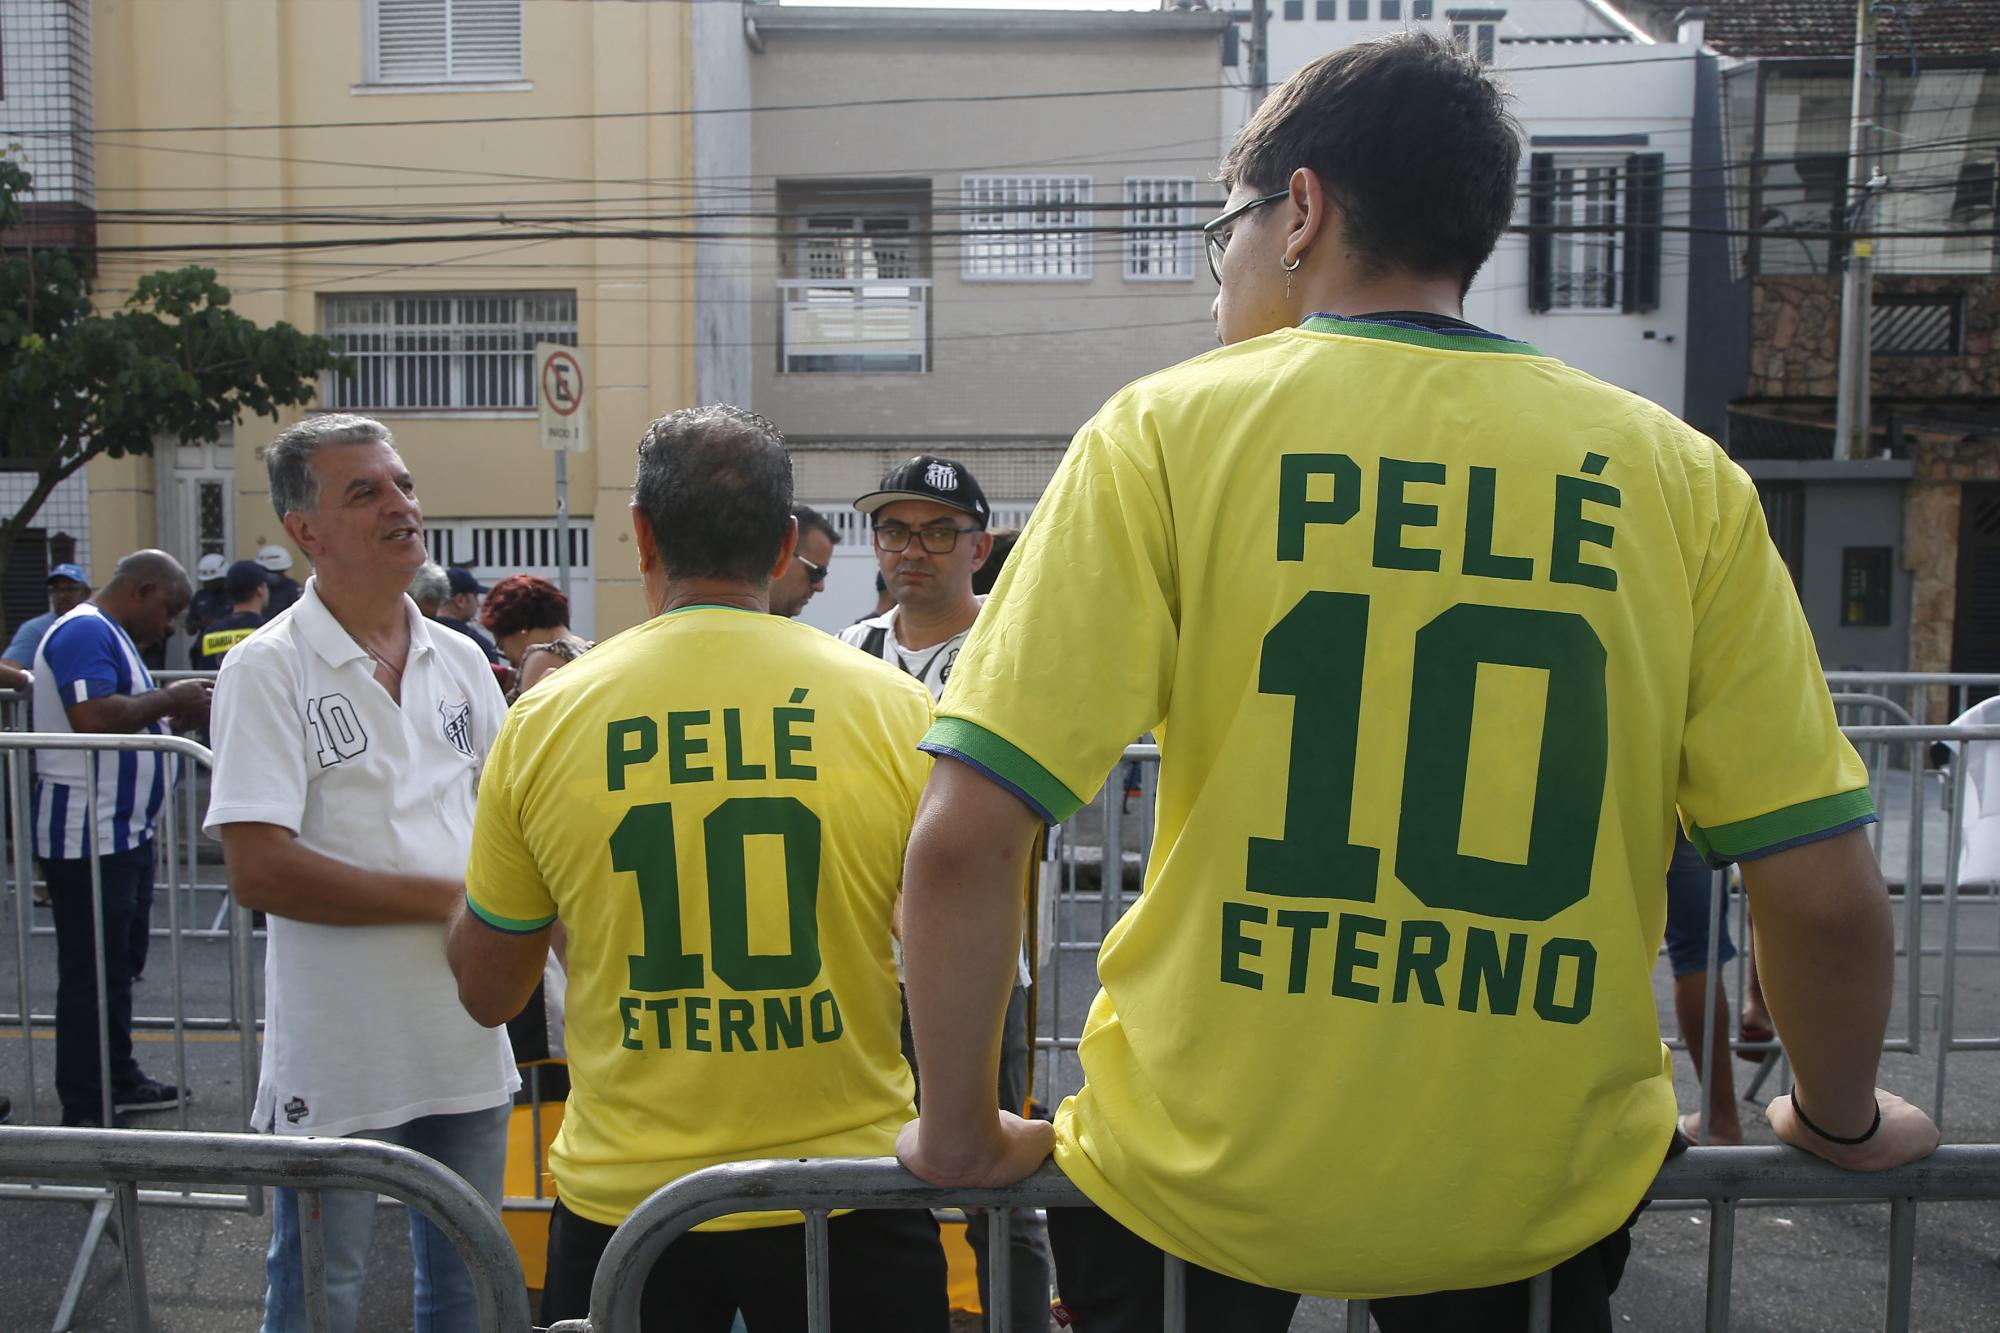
pixel 175 362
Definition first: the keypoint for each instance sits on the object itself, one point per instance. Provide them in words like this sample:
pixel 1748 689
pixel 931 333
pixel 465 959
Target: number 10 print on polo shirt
pixel 336 729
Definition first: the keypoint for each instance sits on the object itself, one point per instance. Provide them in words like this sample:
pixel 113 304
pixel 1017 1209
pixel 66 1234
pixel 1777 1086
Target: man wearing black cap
pixel 247 584
pixel 930 536
pixel 462 608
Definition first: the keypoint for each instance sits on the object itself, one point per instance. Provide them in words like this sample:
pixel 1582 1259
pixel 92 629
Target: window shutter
pixel 1643 173
pixel 1541 245
pixel 410 41
pixel 485 39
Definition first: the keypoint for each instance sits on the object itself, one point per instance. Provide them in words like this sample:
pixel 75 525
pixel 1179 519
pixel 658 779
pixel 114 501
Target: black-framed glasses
pixel 1218 240
pixel 939 540
pixel 814 573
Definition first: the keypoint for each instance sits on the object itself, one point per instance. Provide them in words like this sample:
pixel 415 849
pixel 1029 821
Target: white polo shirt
pixel 363 1028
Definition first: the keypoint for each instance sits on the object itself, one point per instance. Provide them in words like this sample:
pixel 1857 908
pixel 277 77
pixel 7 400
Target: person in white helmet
pixel 211 602
pixel 284 588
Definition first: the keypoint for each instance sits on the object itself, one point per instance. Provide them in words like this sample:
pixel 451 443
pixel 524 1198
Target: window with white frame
pixel 1477 39
pixel 442 41
pixel 1585 267
pixel 443 351
pixel 1159 221
pixel 1025 229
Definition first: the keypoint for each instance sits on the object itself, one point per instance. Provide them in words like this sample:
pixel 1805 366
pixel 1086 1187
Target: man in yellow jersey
pixel 715 806
pixel 1436 633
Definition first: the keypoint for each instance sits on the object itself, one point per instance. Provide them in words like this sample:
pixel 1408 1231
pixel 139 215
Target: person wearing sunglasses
pixel 1441 638
pixel 806 575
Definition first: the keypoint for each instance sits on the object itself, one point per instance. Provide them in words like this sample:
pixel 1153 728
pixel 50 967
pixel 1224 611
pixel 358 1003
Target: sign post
pixel 559 385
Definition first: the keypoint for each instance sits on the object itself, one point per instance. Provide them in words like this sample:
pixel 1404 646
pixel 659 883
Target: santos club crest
pixel 458 726
pixel 941 477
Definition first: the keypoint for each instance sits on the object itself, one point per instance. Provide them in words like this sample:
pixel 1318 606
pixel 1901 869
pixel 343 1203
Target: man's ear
pixel 1312 210
pixel 642 533
pixel 299 527
pixel 786 548
pixel 982 547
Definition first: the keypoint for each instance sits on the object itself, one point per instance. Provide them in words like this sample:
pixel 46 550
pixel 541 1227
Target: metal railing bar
pixel 312 1260
pixel 130 1244
pixel 92 1194
pixel 1902 1262
pixel 1721 1260
pixel 301 1162
pixel 97 963
pixel 1948 980
pixel 1357 1317
pixel 1174 1304
pixel 1000 1268
pixel 819 1259
pixel 1541 1302
pixel 17 774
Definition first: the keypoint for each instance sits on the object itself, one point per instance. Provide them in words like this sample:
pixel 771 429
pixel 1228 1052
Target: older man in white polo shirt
pixel 349 739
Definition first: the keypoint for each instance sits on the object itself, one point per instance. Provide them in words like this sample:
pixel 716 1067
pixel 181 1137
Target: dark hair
pixel 811 520
pixel 715 485
pixel 524 601
pixel 988 574
pixel 1412 139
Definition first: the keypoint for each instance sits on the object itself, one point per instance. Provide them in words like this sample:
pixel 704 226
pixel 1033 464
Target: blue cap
pixel 242 579
pixel 74 573
pixel 463 581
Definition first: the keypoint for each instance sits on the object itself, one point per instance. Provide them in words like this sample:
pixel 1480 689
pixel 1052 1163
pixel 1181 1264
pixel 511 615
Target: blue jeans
pixel 475 1146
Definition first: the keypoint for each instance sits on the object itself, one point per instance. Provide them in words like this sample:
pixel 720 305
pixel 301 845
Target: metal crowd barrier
pixel 1722 1177
pixel 1882 744
pixel 16 750
pixel 121 1159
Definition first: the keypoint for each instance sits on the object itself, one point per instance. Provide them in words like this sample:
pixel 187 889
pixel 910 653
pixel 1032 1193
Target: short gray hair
pixel 288 459
pixel 431 587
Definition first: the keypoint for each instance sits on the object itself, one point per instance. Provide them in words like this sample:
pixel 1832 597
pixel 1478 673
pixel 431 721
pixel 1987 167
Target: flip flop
pixel 1745 1032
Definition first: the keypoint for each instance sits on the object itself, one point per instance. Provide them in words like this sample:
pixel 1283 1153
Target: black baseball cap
pixel 242 579
pixel 942 481
pixel 462 580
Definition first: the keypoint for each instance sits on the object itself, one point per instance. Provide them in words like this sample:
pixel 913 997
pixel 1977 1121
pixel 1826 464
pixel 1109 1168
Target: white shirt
pixel 363 1028
pixel 931 665
pixel 1979 853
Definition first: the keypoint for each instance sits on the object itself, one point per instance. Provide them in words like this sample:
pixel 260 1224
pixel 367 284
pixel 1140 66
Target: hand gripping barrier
pixel 122 1158
pixel 1723 1177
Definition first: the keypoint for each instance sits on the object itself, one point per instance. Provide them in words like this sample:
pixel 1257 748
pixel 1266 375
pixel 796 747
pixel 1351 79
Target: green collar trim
pixel 709 606
pixel 1403 333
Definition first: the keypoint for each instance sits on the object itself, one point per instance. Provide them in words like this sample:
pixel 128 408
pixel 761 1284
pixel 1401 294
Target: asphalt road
pixel 1797 1268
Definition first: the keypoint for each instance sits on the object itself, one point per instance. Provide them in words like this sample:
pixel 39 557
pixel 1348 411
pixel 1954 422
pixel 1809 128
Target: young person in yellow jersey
pixel 1437 633
pixel 929 521
pixel 714 805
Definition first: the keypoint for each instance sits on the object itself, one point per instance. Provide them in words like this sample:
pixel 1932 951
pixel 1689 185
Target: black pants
pixel 128 919
pixel 1111 1282
pixel 887 1272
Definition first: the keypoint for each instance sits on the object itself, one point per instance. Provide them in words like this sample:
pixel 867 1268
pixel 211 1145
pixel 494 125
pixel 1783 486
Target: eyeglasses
pixel 814 573
pixel 1218 240
pixel 939 540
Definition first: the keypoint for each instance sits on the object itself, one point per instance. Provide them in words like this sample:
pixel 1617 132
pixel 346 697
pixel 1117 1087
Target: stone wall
pixel 1795 340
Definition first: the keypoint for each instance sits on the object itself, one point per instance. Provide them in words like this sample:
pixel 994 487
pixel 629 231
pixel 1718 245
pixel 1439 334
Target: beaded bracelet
pixel 1806 1120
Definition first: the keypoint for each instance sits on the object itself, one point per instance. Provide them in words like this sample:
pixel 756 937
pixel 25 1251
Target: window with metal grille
pixel 442 41
pixel 1025 229
pixel 1160 242
pixel 443 351
pixel 1910 325
pixel 1594 239
pixel 835 247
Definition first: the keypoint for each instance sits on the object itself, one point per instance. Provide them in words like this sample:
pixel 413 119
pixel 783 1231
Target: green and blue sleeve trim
pixel 508 924
pixel 1782 830
pixel 1003 762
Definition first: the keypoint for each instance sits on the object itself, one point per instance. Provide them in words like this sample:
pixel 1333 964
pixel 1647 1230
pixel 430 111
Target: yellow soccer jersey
pixel 715 805
pixel 1434 632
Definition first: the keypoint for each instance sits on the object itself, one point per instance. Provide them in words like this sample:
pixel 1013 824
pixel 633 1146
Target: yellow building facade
pixel 438 184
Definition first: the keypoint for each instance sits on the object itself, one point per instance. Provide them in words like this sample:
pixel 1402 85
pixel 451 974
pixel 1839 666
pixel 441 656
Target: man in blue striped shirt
pixel 89 678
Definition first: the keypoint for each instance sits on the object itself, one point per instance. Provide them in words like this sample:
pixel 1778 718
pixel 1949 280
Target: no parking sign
pixel 559 386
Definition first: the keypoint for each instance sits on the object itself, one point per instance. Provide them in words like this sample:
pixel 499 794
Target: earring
pixel 1290 269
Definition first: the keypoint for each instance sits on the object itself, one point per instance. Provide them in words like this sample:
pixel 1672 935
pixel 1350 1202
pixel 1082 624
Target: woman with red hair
pixel 528 618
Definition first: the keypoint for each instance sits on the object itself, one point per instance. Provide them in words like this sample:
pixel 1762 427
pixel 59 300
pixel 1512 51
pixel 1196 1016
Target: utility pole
pixel 1851 433
pixel 1260 64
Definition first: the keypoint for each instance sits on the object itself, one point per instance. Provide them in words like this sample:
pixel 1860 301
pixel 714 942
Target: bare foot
pixel 1724 1132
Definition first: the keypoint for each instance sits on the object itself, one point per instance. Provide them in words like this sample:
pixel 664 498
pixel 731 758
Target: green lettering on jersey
pixel 1484 970
pixel 663 1020
pixel 1296 511
pixel 1348 955
pixel 826 1021
pixel 620 755
pixel 1422 964
pixel 786 743
pixel 1547 978
pixel 1237 946
pixel 681 747
pixel 1302 925
pixel 723 834
pixel 695 1012
pixel 643 846
pixel 1573 530
pixel 732 749
pixel 732 1020
pixel 1393 514
pixel 784 1023
pixel 628 1019
pixel 1479 558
